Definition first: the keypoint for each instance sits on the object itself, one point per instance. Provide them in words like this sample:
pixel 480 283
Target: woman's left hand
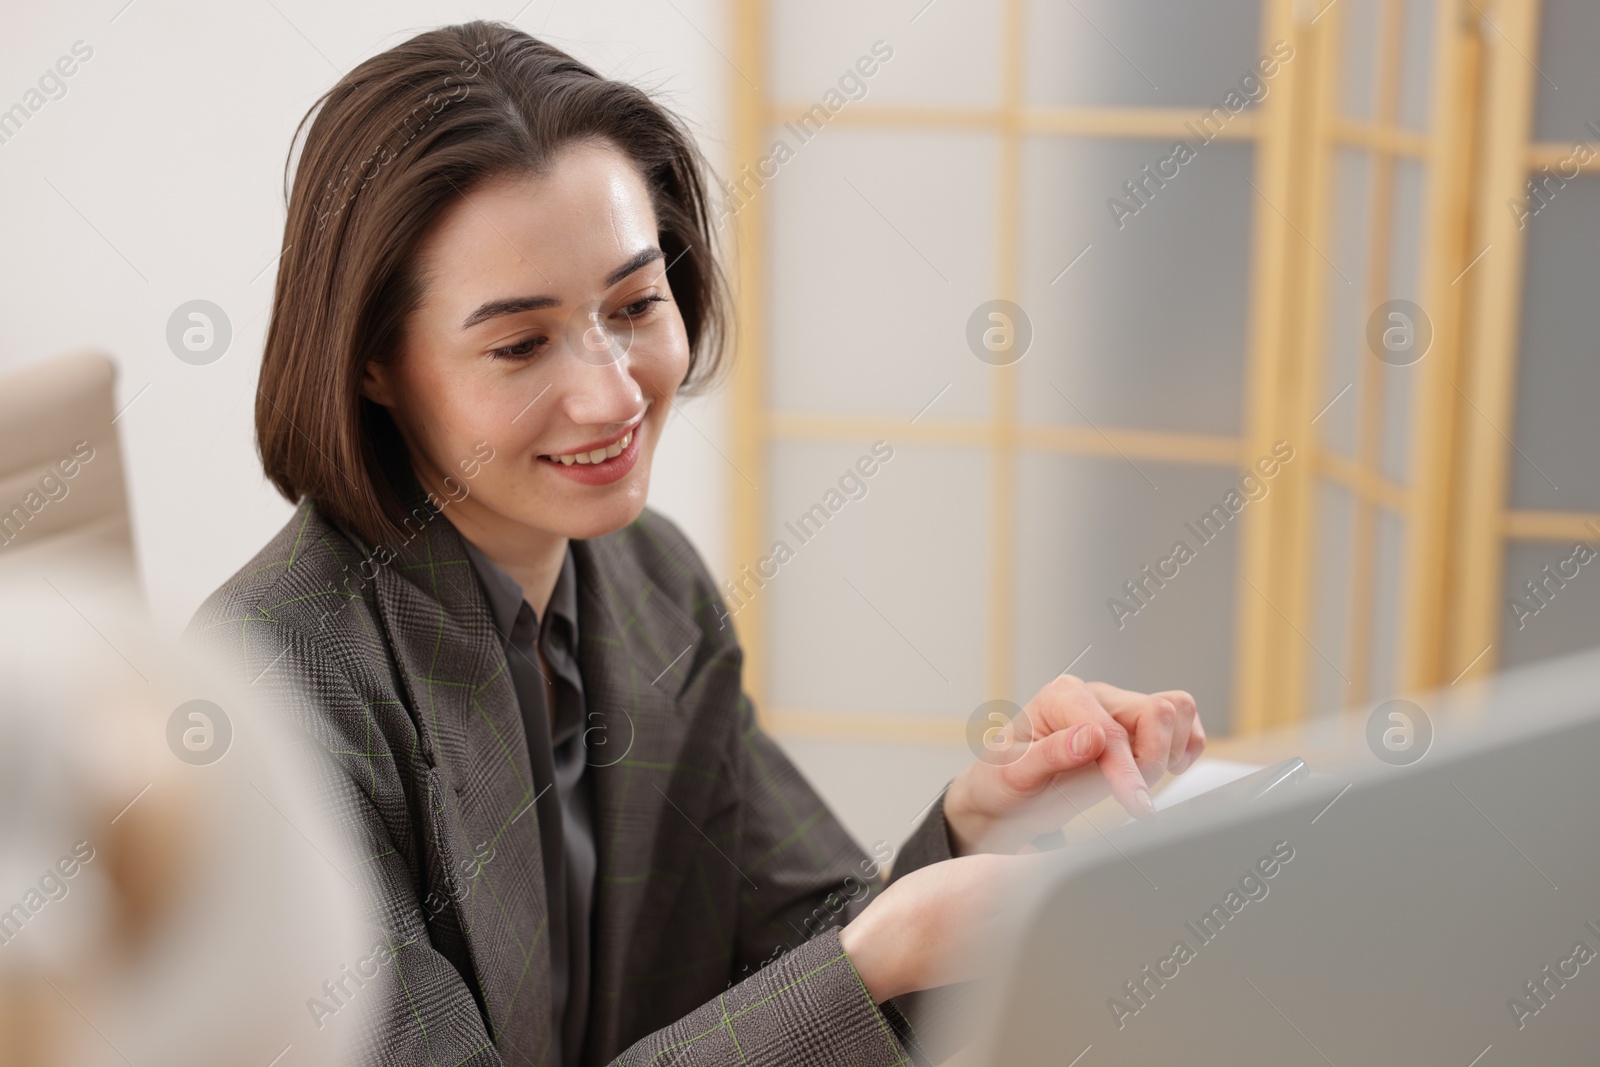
pixel 1131 739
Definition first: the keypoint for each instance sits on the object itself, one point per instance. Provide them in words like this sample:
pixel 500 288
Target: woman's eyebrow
pixel 513 305
pixel 509 306
pixel 640 258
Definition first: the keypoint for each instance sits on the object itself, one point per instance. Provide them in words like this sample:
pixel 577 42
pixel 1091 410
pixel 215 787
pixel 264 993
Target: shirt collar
pixel 506 597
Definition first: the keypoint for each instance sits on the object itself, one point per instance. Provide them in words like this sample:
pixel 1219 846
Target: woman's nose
pixel 602 392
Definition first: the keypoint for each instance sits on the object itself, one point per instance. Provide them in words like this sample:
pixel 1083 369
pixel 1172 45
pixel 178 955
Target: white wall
pixel 157 178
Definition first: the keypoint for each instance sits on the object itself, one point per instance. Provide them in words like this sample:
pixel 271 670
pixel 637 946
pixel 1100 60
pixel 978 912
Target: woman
pixel 497 274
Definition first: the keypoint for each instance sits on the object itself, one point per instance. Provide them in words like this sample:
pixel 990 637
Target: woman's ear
pixel 377 383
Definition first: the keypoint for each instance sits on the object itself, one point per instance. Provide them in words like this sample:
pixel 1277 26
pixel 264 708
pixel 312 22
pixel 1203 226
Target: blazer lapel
pixel 481 788
pixel 634 648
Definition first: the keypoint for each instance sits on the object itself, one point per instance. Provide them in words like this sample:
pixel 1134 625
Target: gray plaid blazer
pixel 722 876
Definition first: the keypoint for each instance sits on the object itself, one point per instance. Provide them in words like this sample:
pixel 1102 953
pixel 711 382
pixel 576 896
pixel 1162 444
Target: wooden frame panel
pixel 1494 318
pixel 1476 154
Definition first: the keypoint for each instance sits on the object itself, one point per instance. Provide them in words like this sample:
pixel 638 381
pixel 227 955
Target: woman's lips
pixel 596 454
pixel 600 445
pixel 610 466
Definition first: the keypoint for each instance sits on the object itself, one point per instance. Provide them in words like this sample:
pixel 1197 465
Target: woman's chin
pixel 602 517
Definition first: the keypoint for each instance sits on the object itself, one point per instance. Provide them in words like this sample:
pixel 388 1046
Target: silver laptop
pixel 1431 904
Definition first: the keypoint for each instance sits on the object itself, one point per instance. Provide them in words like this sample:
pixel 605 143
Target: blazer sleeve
pixel 807 1007
pixel 805 1003
pixel 928 843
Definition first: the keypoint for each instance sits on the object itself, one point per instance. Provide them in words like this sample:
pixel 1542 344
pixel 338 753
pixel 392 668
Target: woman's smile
pixel 602 463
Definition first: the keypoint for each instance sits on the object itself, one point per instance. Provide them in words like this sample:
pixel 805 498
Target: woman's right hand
pixel 933 926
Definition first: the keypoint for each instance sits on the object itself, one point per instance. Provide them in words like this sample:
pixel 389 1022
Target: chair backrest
pixel 61 479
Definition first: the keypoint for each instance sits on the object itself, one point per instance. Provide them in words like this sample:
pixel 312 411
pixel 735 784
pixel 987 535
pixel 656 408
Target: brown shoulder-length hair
pixel 388 148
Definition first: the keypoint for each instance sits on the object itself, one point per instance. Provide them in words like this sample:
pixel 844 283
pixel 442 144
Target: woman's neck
pixel 532 558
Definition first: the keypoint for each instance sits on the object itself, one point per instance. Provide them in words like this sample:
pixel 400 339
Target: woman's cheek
pixel 667 361
pixel 498 414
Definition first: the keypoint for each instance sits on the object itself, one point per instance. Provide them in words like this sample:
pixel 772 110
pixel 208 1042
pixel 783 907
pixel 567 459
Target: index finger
pixel 1077 702
pixel 1122 772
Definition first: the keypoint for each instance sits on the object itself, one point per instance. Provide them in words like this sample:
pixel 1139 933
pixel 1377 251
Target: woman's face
pixel 547 329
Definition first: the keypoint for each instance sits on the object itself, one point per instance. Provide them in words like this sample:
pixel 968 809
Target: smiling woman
pixel 437 255
pixel 514 293
pixel 569 260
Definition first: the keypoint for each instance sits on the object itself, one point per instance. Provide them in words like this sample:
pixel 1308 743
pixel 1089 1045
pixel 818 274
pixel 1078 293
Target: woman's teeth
pixel 599 455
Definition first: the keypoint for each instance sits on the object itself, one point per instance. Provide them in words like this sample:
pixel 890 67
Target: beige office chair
pixel 62 496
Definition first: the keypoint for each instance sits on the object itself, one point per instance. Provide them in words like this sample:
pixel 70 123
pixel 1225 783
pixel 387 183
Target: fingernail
pixel 1081 742
pixel 1147 805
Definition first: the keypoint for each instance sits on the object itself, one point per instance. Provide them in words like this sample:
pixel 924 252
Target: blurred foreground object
pixel 165 896
pixel 1427 895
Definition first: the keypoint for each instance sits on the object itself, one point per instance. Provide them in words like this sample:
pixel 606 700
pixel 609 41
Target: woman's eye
pixel 520 350
pixel 640 308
